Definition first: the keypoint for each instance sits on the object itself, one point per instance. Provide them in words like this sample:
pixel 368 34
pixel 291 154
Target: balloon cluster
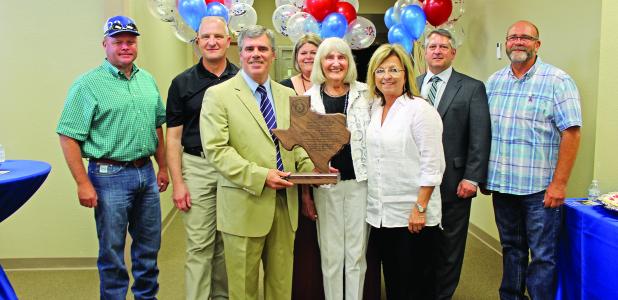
pixel 186 15
pixel 406 20
pixel 327 18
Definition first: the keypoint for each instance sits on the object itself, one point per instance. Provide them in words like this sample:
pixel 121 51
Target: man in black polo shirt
pixel 193 178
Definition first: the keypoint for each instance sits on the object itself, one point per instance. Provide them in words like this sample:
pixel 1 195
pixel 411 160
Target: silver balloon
pixel 361 33
pixel 230 3
pixel 282 2
pixel 281 16
pixel 301 23
pixel 162 9
pixel 183 31
pixel 456 31
pixel 241 16
pixel 399 5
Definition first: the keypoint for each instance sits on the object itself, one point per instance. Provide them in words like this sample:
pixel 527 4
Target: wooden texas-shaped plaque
pixel 321 135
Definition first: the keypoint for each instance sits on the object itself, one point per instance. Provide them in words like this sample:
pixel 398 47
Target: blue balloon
pixel 219 10
pixel 399 35
pixel 192 11
pixel 388 17
pixel 334 25
pixel 413 18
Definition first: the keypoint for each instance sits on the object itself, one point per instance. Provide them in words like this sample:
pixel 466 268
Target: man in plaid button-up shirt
pixel 536 120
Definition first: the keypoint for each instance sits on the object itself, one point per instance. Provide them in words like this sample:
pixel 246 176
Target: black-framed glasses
pixel 524 38
pixel 393 71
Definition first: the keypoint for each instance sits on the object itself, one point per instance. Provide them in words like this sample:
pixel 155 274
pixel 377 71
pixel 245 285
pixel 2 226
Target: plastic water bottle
pixel 593 191
pixel 1 154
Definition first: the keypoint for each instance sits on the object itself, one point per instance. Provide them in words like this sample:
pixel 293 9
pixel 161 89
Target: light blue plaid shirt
pixel 527 116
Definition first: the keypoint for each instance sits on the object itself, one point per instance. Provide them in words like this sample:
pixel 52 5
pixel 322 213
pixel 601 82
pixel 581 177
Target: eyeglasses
pixel 393 71
pixel 117 26
pixel 524 38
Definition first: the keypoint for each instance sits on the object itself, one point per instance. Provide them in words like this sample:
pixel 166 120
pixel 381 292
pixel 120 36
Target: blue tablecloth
pixel 17 186
pixel 588 253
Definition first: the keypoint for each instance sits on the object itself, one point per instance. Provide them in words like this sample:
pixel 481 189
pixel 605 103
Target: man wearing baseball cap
pixel 112 116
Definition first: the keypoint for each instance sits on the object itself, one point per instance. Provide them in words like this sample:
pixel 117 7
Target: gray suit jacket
pixel 467 132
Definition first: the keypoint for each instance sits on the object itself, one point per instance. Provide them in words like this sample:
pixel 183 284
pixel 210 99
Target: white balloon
pixel 361 33
pixel 301 23
pixel 300 4
pixel 162 9
pixel 281 16
pixel 241 16
pixel 353 2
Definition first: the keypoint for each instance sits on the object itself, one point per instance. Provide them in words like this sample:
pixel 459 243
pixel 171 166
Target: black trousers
pixel 408 261
pixel 452 245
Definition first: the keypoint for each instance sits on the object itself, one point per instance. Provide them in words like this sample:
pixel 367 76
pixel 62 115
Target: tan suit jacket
pixel 237 142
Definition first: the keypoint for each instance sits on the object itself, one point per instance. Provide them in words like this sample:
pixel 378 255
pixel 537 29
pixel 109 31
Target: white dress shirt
pixel 403 154
pixel 444 77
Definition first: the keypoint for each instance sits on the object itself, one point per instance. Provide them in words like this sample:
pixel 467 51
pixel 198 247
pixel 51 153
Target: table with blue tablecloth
pixel 588 253
pixel 23 179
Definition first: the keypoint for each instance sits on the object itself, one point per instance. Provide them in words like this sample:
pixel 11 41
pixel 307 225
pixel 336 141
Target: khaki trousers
pixel 205 274
pixel 276 250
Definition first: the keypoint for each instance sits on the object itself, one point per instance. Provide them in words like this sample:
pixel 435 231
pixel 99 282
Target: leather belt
pixel 138 163
pixel 195 151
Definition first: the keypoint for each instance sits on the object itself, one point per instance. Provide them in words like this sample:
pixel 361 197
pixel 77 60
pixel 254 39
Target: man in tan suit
pixel 257 210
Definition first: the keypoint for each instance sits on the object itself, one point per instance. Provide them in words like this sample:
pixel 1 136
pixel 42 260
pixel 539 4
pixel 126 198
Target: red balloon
pixel 437 11
pixel 211 1
pixel 319 9
pixel 347 10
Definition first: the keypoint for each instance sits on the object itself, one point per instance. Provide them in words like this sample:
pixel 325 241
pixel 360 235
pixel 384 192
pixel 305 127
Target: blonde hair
pixel 327 46
pixel 382 53
pixel 309 38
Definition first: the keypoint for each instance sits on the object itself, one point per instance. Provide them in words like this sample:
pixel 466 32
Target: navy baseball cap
pixel 119 24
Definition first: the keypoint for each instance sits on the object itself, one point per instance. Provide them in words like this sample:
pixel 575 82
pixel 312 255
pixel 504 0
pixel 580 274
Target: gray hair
pixel 327 46
pixel 213 18
pixel 443 32
pixel 255 31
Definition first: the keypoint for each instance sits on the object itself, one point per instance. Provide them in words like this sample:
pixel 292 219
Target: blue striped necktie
pixel 271 121
pixel 433 90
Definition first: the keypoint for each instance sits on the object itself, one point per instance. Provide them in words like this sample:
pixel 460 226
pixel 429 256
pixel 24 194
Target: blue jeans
pixel 526 226
pixel 128 198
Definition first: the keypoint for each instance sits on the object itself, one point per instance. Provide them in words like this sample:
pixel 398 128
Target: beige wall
pixel 606 145
pixel 55 41
pixel 570 35
pixel 45 47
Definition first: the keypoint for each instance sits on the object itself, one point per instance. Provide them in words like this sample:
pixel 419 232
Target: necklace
pixel 303 79
pixel 345 102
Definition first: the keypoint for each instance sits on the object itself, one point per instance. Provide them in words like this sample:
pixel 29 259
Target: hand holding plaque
pixel 321 135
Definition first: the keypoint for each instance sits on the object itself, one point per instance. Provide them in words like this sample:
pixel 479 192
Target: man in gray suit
pixel 461 101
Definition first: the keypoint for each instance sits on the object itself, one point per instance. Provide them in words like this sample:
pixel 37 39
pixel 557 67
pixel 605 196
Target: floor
pixel 480 279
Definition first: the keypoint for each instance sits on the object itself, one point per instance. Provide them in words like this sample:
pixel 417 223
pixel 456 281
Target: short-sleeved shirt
pixel 527 116
pixel 112 116
pixel 185 96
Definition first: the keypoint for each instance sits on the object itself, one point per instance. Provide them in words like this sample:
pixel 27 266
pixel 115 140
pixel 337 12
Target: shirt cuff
pixel 472 182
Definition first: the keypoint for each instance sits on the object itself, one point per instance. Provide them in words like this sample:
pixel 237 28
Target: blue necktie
pixel 271 121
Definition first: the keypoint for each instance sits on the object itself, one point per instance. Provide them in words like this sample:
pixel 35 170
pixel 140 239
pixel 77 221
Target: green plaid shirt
pixel 111 116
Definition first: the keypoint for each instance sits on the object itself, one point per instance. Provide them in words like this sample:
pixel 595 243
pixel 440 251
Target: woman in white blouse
pixel 341 208
pixel 405 163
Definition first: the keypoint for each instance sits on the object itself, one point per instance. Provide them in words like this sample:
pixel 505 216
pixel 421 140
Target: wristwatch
pixel 420 208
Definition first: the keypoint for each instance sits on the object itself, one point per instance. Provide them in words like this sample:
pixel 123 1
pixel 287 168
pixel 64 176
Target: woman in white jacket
pixel 341 208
